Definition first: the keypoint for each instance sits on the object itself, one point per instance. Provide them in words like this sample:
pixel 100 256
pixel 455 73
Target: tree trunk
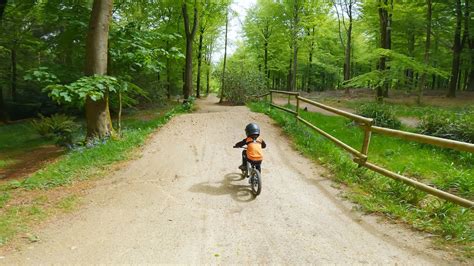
pixel 387 84
pixel 198 82
pixel 383 19
pixel 265 63
pixel 411 53
pixel 225 57
pixel 208 78
pixel 188 71
pixel 347 56
pixel 290 75
pixel 470 42
pixel 427 50
pixel 465 79
pixel 456 52
pixel 99 124
pixel 208 74
pixel 310 67
pixel 168 79
pixel 295 45
pixel 3 116
pixel 13 74
pixel 470 82
pixel 3 4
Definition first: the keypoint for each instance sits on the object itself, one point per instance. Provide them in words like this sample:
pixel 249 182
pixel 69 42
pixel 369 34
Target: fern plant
pixel 58 127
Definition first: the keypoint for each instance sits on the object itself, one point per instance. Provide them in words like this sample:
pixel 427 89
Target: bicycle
pixel 255 177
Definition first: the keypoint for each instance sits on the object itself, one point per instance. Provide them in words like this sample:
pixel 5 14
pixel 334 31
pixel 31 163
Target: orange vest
pixel 254 149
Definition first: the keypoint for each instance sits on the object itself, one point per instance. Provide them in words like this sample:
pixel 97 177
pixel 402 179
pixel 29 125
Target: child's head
pixel 252 130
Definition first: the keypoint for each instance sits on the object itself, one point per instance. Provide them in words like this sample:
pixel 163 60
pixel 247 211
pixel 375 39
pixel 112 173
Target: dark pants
pixel 256 163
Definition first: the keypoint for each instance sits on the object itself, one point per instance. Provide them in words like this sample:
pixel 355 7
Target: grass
pixel 80 164
pixel 451 171
pixel 68 203
pixel 17 137
pixel 6 162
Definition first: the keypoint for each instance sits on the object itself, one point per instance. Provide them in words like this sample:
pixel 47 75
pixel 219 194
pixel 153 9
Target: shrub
pixel 382 114
pixel 19 111
pixel 451 125
pixel 241 84
pixel 58 127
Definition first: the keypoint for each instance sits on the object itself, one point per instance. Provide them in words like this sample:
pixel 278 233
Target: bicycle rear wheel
pixel 256 182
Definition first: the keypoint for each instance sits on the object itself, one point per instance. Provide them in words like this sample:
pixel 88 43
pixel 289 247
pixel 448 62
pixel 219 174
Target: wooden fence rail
pixel 361 157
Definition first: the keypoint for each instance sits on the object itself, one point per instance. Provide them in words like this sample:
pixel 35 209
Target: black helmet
pixel 252 129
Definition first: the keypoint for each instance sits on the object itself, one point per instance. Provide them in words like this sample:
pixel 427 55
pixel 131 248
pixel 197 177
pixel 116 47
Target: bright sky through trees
pixel 236 33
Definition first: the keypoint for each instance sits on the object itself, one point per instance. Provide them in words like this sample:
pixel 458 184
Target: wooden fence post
pixel 297 107
pixel 367 135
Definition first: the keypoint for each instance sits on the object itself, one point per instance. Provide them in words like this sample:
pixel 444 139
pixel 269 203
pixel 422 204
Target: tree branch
pixel 339 24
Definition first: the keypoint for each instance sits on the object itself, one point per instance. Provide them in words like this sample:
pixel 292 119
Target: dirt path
pixel 183 201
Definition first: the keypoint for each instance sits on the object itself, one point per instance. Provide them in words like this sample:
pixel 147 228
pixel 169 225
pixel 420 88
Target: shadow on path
pixel 238 192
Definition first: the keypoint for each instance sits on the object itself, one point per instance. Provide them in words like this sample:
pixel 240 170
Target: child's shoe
pixel 242 167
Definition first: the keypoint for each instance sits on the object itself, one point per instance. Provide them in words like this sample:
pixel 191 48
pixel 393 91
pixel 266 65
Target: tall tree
pixel 457 47
pixel 469 37
pixel 347 9
pixel 3 4
pixel 209 51
pixel 429 14
pixel 225 57
pixel 190 32
pixel 198 81
pixel 347 61
pixel 295 30
pixel 384 44
pixel 99 124
pixel 212 17
pixel 3 117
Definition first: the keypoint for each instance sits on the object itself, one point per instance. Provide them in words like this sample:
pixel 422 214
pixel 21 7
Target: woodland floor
pixel 184 201
pixel 430 98
pixel 348 102
pixel 27 162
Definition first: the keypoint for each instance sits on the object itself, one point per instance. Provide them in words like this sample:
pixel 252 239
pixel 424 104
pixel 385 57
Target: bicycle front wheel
pixel 256 182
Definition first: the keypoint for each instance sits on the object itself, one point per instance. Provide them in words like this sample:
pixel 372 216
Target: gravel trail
pixel 184 201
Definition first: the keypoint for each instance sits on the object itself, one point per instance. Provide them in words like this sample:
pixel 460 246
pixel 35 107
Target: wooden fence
pixel 360 156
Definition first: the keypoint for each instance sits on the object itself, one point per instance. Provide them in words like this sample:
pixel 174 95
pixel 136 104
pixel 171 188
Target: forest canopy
pixel 165 49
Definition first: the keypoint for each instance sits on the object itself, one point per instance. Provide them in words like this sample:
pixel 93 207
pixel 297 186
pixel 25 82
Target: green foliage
pixel 19 137
pixel 59 127
pixel 398 64
pixel 42 76
pixel 382 114
pixel 188 105
pixel 93 87
pixel 379 194
pixel 96 87
pixel 241 84
pixel 131 95
pixel 450 125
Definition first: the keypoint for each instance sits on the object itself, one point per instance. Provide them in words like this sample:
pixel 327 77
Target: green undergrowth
pixel 450 171
pixel 79 164
pixel 403 109
pixel 15 138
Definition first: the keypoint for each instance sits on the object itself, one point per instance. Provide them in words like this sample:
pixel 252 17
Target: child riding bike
pixel 255 144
